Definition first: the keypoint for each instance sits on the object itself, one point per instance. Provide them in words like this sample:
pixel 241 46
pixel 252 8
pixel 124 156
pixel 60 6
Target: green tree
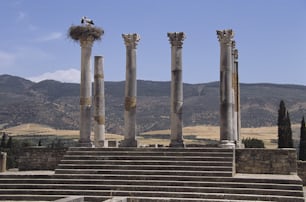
pixel 284 127
pixel 253 143
pixel 3 141
pixel 302 151
pixel 9 143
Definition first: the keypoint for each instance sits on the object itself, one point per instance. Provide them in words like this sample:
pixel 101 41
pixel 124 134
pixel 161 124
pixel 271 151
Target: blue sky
pixel 270 36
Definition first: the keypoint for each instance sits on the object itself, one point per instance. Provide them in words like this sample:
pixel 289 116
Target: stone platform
pixel 149 174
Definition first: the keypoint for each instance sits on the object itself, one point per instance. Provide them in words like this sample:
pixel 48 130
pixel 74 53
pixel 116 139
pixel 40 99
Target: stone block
pixel 3 157
pixel 117 199
pixel 71 199
pixel 266 161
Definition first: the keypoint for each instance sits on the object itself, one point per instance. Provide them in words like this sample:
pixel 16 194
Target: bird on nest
pixel 86 21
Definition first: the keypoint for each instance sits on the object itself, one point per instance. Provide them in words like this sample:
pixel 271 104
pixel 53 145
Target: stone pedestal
pixel 99 104
pixel 131 41
pixel 226 92
pixel 85 92
pixel 176 41
pixel 3 158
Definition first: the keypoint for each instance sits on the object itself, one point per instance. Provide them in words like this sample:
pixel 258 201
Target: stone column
pixel 234 94
pixel 85 92
pixel 176 41
pixel 99 104
pixel 226 98
pixel 237 97
pixel 131 41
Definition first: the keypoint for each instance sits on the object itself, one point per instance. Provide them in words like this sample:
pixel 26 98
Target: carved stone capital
pixel 225 36
pixel 87 42
pixel 131 40
pixel 176 38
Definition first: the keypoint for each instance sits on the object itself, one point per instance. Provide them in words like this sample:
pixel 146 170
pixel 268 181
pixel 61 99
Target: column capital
pixel 225 36
pixel 87 42
pixel 131 40
pixel 176 38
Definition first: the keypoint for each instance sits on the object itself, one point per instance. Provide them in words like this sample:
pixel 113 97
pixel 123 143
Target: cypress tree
pixel 289 141
pixel 302 152
pixel 3 141
pixel 281 122
pixel 9 143
pixel 284 127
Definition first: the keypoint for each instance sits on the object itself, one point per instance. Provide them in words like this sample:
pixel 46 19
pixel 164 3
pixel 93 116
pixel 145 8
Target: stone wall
pixel 266 161
pixel 302 171
pixel 40 158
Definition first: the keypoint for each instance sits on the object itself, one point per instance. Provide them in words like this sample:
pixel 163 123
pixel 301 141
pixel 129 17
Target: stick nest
pixel 78 33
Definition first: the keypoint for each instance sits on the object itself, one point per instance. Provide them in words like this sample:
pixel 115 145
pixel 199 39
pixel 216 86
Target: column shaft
pixel 226 92
pixel 237 98
pixel 99 103
pixel 85 93
pixel 176 138
pixel 234 94
pixel 131 41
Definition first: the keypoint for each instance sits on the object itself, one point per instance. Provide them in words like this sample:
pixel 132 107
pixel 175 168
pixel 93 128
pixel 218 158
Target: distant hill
pixel 57 104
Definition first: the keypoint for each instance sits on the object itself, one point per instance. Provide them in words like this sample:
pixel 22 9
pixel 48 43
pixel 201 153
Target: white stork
pixel 86 21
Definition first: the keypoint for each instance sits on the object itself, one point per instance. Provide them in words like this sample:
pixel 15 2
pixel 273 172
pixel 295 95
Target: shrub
pixel 253 143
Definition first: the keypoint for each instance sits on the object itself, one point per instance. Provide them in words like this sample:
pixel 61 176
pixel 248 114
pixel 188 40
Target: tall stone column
pixel 99 104
pixel 236 69
pixel 86 34
pixel 85 92
pixel 226 98
pixel 234 94
pixel 131 41
pixel 176 41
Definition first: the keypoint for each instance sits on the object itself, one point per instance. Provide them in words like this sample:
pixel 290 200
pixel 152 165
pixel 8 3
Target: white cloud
pixel 69 76
pixel 50 37
pixel 6 59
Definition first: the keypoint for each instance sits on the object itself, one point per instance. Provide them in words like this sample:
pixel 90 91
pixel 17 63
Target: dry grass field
pixel 192 134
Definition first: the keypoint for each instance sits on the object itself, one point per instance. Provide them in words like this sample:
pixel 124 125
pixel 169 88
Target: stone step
pixel 158 199
pixel 162 158
pixel 147 149
pixel 144 167
pixel 151 182
pixel 41 198
pixel 149 162
pixel 149 153
pixel 144 172
pixel 29 197
pixel 102 177
pixel 141 188
pixel 162 194
pixel 12 181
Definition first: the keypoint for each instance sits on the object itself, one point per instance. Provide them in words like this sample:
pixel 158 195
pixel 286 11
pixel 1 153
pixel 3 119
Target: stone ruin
pixel 229 92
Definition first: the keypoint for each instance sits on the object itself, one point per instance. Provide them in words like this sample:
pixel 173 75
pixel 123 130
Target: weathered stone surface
pixel 99 103
pixel 71 199
pixel 131 41
pixel 301 169
pixel 176 41
pixel 40 158
pixel 226 90
pixel 3 157
pixel 85 92
pixel 266 161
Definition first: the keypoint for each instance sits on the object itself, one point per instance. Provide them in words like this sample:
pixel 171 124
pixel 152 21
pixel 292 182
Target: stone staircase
pixel 149 174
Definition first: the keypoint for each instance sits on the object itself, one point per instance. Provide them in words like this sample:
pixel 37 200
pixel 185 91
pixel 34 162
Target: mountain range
pixel 56 104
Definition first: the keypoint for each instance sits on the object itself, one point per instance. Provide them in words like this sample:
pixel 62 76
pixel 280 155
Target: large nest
pixel 77 33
